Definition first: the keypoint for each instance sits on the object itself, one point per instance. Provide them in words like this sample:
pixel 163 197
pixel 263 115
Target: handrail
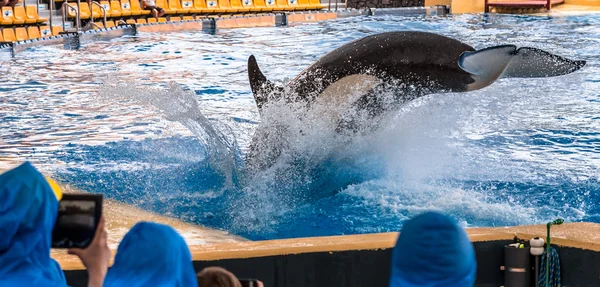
pixel 64 14
pixel 51 4
pixel 329 9
pixel 103 12
pixel 549 4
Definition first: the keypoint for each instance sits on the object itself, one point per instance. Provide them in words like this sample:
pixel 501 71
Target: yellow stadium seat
pixel 271 5
pixel 162 19
pixel 98 25
pixel 9 35
pixel 257 5
pixel 32 13
pixel 97 12
pixel 1 37
pixel 151 20
pixel 115 9
pixel 284 5
pixel 141 21
pixel 110 24
pixel 56 30
pixel 21 34
pixel 126 9
pixel 187 18
pixel 224 7
pixel 84 10
pixel 316 4
pixel 135 6
pixel 8 17
pixel 200 7
pixel 187 5
pixel 45 31
pixel 21 16
pixel 106 6
pixel 163 4
pixel 130 21
pixel 33 32
pixel 175 19
pixel 237 4
pixel 175 5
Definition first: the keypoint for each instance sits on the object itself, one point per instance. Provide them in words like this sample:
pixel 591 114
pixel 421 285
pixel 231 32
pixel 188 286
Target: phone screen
pixel 77 219
pixel 249 282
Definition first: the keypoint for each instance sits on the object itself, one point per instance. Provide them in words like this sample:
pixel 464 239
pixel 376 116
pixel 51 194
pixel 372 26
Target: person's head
pixel 28 210
pixel 433 251
pixel 152 254
pixel 217 277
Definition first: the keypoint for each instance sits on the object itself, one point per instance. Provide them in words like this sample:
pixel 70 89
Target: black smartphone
pixel 249 282
pixel 77 220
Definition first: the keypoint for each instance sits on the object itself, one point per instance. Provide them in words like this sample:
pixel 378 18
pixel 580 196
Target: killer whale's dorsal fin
pixel 261 87
pixel 506 61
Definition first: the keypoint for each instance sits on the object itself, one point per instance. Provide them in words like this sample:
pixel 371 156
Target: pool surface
pixel 521 151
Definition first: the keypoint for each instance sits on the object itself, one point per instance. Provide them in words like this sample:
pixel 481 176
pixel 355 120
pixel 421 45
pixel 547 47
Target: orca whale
pixel 409 64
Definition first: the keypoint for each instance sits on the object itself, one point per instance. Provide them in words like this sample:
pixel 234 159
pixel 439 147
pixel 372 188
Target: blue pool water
pixel 521 151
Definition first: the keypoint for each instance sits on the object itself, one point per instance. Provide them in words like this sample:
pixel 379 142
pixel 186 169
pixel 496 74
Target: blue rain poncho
pixel 433 251
pixel 28 210
pixel 152 254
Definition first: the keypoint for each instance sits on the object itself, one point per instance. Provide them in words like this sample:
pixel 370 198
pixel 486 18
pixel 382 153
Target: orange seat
pixel 237 4
pixel 162 19
pixel 97 12
pixel 110 24
pixel 316 4
pixel 32 13
pixel 187 5
pixel 285 5
pixel 99 25
pixel 187 18
pixel 22 16
pixel 201 7
pixel 126 9
pixel 130 21
pixel 163 4
pixel 115 9
pixel 259 5
pixel 141 21
pixel 21 34
pixel 151 20
pixel 1 37
pixel 56 30
pixel 303 5
pixel 224 7
pixel 135 6
pixel 106 6
pixel 9 35
pixel 84 12
pixel 175 5
pixel 45 31
pixel 33 32
pixel 8 17
pixel 271 5
pixel 175 19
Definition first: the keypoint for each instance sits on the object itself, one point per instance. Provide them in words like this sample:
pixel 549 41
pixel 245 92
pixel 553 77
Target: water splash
pixel 176 104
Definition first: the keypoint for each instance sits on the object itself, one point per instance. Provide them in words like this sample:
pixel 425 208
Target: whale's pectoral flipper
pixel 536 63
pixel 486 65
pixel 261 87
pixel 490 64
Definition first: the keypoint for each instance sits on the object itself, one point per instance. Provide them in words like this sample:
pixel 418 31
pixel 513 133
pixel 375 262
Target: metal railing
pixel 51 6
pixel 77 17
pixel 101 9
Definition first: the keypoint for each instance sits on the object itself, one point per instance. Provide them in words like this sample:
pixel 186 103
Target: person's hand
pixel 96 256
pixel 260 284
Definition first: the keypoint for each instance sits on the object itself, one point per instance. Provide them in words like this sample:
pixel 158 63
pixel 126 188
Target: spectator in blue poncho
pixel 28 210
pixel 433 251
pixel 152 254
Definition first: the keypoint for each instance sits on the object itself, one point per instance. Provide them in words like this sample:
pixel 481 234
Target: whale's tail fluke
pixel 508 61
pixel 261 87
